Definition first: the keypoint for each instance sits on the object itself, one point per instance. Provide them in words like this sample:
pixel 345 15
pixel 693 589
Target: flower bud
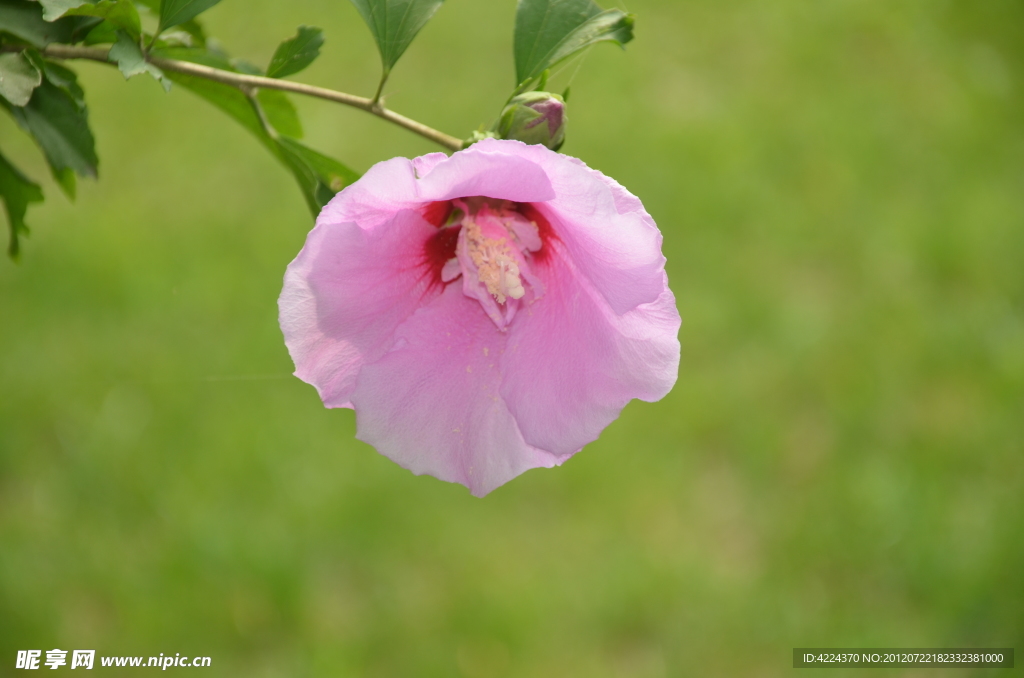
pixel 534 118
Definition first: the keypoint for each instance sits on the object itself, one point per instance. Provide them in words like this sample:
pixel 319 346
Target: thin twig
pixel 244 82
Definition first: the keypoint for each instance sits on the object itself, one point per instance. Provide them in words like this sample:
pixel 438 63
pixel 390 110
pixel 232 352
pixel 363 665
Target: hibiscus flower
pixel 484 313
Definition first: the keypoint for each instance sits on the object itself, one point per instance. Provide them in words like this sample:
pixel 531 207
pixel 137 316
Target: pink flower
pixel 484 314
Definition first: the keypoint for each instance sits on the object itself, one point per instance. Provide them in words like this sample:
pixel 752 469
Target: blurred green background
pixel 841 188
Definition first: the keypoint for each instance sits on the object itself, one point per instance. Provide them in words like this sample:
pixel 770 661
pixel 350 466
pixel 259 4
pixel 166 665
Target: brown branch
pixel 247 82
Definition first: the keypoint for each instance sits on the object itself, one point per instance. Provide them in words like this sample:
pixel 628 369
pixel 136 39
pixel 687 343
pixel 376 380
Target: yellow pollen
pixel 496 266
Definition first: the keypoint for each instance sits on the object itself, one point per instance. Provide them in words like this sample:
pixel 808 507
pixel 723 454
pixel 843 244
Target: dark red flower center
pixel 440 247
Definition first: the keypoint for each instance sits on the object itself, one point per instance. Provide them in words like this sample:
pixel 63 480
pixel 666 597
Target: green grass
pixel 840 464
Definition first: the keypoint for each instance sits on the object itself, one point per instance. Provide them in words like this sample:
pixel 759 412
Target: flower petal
pixel 610 237
pixel 345 294
pixel 373 319
pixel 572 362
pixel 432 404
pixel 386 188
pixel 425 163
pixel 482 170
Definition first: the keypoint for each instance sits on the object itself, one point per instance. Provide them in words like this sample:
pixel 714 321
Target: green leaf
pixel 195 32
pixel 228 98
pixel 57 119
pixel 18 77
pixel 549 31
pixel 24 20
pixel 190 27
pixel 319 176
pixel 128 56
pixel 55 9
pixel 394 23
pixel 103 34
pixel 174 12
pixel 296 53
pixel 224 97
pixel 280 112
pixel 59 75
pixel 121 13
pixel 17 191
pixel 130 60
pixel 278 108
pixel 246 67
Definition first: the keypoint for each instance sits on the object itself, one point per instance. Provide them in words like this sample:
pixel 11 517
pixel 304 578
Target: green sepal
pixel 534 118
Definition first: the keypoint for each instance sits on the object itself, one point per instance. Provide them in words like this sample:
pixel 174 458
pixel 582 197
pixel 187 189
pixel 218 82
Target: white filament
pixel 496 264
